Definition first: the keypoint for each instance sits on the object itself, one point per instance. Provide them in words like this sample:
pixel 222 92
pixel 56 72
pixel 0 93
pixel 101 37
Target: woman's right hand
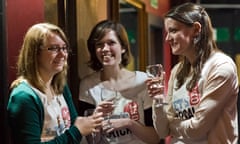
pixel 87 125
pixel 154 90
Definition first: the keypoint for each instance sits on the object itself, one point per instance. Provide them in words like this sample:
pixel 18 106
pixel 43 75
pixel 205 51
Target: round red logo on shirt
pixel 132 109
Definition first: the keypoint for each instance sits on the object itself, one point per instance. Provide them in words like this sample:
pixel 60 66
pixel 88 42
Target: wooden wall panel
pixel 89 12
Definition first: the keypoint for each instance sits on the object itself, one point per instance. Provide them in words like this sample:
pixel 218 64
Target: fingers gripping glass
pixel 157 73
pixel 57 49
pixel 93 135
pixel 108 95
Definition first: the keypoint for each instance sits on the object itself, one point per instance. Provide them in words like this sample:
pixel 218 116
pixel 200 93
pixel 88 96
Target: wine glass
pixel 91 139
pixel 156 72
pixel 108 95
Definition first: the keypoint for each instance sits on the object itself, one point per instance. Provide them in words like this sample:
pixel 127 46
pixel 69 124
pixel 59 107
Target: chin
pixel 109 63
pixel 57 70
pixel 176 52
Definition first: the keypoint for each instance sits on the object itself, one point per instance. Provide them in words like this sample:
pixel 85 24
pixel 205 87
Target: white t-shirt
pixel 132 100
pixel 56 116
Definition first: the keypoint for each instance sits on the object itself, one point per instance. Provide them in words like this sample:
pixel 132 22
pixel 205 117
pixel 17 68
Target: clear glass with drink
pixel 157 73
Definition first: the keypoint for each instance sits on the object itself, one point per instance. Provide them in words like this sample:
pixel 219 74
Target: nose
pixel 105 47
pixel 167 37
pixel 62 52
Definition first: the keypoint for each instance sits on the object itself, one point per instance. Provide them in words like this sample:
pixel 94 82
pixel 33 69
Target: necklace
pixel 56 105
pixel 53 95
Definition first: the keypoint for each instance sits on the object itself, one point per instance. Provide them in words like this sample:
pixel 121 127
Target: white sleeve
pixel 219 95
pixel 84 92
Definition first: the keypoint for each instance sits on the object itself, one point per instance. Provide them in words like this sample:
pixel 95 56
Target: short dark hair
pixel 98 32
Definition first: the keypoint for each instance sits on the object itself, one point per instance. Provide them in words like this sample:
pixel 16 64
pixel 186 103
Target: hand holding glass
pixel 108 95
pixel 156 72
pixel 92 140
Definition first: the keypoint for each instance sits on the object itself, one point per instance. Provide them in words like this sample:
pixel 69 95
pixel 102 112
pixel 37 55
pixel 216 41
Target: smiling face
pixel 109 50
pixel 50 62
pixel 180 37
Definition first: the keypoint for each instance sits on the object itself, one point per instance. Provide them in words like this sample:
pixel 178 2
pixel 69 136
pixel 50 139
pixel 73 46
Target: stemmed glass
pixel 156 72
pixel 108 95
pixel 91 140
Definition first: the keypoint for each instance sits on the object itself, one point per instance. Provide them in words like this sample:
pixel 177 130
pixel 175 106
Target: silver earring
pixel 196 40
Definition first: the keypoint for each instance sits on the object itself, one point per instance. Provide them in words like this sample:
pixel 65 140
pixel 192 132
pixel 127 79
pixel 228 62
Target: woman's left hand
pixel 110 125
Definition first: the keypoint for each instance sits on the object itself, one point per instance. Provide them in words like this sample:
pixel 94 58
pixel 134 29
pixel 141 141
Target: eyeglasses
pixel 57 49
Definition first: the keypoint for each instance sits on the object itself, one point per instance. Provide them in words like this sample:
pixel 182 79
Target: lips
pixel 107 57
pixel 173 44
pixel 59 62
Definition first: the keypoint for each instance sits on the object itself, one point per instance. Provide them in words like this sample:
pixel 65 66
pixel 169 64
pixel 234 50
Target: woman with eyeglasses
pixel 40 107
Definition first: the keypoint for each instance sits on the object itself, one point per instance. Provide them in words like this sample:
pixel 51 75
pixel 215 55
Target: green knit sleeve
pixel 25 115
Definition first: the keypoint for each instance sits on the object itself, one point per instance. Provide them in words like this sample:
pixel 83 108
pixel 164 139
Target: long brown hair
pixel 27 64
pixel 188 13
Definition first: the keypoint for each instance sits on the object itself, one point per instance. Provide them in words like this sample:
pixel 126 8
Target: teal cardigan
pixel 26 117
